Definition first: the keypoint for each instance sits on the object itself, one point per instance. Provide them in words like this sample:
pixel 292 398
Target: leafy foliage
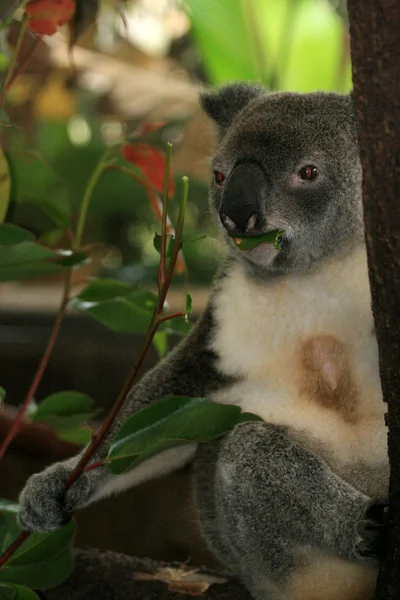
pixel 66 412
pixel 174 421
pixel 43 560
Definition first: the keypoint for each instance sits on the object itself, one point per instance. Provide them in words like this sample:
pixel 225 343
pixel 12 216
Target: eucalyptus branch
pixel 180 263
pixel 42 366
pixel 161 268
pixel 155 322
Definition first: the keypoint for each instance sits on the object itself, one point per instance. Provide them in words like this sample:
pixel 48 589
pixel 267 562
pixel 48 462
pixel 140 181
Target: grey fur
pixel 267 503
pixel 267 498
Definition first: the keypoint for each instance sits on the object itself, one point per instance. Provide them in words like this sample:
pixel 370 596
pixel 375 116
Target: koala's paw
pixel 374 537
pixel 44 504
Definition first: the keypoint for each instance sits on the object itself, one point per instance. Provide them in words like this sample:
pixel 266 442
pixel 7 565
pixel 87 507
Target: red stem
pixel 168 317
pixel 99 436
pixel 41 368
pixel 95 465
pixel 14 547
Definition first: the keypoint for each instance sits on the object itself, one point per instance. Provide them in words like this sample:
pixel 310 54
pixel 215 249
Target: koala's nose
pixel 242 208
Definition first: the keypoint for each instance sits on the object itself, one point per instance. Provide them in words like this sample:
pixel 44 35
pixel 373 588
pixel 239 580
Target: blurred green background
pixel 165 51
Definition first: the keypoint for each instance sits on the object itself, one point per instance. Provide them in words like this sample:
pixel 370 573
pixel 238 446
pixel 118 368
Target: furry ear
pixel 224 104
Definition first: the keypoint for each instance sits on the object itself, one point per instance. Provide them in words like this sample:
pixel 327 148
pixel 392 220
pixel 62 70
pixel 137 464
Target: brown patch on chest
pixel 325 375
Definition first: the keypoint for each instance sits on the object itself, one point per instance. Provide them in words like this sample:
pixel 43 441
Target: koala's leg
pixel 188 370
pixel 282 520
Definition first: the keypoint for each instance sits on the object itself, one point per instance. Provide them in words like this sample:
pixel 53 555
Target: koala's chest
pixel 304 351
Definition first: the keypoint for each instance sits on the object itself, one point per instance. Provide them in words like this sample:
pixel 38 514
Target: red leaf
pixel 44 16
pixel 152 164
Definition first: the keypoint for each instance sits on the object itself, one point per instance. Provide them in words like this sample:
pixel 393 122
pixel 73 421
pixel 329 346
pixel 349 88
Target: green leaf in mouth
pixel 270 237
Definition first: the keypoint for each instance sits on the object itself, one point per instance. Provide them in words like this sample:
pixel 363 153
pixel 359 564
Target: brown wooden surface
pixel 375 45
pixel 109 576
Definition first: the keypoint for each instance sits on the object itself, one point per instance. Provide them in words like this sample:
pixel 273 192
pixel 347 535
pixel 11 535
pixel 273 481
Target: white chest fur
pixel 264 335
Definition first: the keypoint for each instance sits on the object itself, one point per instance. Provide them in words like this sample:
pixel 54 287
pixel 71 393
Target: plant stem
pixel 14 60
pixel 156 320
pixel 87 196
pixel 13 547
pixel 161 267
pixel 169 317
pixel 41 368
pixel 156 205
pixel 151 331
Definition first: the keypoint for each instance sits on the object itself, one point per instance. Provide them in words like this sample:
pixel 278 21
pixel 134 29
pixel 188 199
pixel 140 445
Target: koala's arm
pixel 188 370
pixel 277 515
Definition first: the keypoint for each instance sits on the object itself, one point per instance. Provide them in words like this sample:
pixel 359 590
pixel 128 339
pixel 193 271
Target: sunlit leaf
pixel 5 186
pixel 174 421
pixel 11 234
pixel 188 307
pixel 116 304
pixel 160 342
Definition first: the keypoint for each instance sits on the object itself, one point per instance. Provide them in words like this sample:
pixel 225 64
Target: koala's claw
pixel 376 530
pixel 44 504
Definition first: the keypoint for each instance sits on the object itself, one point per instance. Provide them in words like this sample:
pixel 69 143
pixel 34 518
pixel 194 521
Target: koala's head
pixel 286 161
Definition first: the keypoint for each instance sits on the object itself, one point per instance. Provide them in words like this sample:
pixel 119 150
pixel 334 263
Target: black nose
pixel 242 209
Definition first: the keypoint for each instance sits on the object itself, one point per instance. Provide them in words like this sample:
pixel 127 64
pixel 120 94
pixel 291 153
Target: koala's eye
pixel 219 178
pixel 308 173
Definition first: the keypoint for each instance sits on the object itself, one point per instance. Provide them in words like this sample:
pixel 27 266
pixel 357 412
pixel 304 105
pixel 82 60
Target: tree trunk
pixel 110 576
pixel 375 47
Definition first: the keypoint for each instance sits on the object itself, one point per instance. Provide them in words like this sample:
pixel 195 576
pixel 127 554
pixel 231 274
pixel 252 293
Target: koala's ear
pixel 224 104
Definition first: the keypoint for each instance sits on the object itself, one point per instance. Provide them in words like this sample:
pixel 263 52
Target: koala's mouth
pixel 248 243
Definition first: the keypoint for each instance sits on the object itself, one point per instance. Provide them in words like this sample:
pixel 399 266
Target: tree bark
pixel 111 576
pixel 375 47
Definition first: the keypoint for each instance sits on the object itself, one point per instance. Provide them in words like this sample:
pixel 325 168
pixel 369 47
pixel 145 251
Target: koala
pixel 293 504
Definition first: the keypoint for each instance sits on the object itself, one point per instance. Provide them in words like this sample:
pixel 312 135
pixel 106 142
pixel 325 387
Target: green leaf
pixel 39 184
pixel 11 591
pixel 28 260
pixel 74 259
pixel 34 270
pixel 244 417
pixel 48 573
pixel 11 234
pixel 43 560
pixel 160 342
pixel 5 185
pixel 117 305
pixel 271 237
pixel 23 253
pixel 177 326
pixel 170 244
pixel 4 119
pixel 188 307
pixel 66 412
pixel 174 421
